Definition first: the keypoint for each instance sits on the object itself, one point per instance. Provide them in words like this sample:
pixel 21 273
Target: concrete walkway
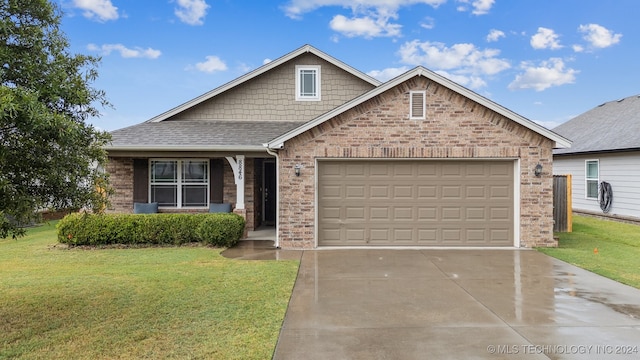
pixel 455 304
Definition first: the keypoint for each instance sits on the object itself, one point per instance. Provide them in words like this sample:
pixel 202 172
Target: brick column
pixel 243 213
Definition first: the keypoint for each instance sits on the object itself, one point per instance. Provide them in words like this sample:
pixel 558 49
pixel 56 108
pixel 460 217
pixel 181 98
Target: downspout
pixel 275 154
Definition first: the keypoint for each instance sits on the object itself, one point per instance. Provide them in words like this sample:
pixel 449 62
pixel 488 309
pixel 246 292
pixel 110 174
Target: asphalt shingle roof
pixel 199 133
pixel 612 126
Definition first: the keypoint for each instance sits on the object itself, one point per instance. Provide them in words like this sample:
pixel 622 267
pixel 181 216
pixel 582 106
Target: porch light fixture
pixel 297 169
pixel 538 170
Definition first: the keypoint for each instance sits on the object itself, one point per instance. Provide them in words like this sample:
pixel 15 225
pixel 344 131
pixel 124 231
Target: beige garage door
pixel 415 203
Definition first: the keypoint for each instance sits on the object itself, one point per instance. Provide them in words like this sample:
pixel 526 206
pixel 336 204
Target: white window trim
pixel 179 182
pixel 587 179
pixel 424 105
pixel 299 69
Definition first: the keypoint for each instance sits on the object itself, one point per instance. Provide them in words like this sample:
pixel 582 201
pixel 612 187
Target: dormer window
pixel 308 83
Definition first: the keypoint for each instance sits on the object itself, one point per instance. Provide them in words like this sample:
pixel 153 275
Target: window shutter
pixel 216 188
pixel 417 105
pixel 141 180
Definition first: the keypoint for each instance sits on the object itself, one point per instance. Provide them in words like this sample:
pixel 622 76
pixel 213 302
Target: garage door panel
pixel 451 192
pixel 404 214
pixel 379 192
pixel 355 213
pixel 355 192
pixel 379 213
pixel 428 213
pixel 427 192
pixel 429 203
pixel 355 235
pixel 403 192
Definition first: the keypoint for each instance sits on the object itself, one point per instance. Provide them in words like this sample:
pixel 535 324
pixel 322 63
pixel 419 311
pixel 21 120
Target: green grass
pixel 153 303
pixel 617 244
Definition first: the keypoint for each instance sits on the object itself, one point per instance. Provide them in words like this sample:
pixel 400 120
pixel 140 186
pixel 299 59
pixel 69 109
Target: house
pixel 606 149
pixel 332 157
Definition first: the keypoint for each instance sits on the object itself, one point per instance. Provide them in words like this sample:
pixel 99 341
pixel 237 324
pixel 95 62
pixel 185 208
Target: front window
pixel 180 183
pixel 592 174
pixel 308 83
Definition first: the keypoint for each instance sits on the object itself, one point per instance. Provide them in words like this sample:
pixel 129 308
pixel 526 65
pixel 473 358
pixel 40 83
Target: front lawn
pixel 153 303
pixel 608 248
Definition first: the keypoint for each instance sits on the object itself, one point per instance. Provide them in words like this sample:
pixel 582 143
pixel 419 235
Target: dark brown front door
pixel 269 196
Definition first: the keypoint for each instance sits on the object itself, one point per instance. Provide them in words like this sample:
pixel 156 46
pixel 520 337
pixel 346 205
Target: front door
pixel 269 197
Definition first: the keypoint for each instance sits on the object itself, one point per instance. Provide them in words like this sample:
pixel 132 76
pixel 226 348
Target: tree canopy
pixel 50 157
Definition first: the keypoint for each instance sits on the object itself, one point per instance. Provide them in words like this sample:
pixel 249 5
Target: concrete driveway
pixel 455 304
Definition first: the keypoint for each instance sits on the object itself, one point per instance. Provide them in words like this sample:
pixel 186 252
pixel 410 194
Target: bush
pixel 154 229
pixel 220 230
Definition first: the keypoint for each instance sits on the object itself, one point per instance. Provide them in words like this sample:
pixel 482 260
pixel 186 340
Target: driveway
pixel 455 304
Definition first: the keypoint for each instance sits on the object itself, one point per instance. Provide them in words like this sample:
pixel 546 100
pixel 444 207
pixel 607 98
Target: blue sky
pixel 548 60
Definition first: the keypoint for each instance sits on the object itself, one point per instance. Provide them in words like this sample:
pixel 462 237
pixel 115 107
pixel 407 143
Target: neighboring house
pixel 333 157
pixel 606 149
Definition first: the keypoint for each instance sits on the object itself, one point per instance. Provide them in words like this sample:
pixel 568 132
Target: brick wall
pixel 121 177
pixel 455 127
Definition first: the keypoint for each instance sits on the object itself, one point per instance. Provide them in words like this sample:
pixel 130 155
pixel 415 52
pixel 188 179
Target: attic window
pixel 308 83
pixel 417 106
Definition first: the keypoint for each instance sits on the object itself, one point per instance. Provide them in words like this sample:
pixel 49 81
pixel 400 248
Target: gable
pixel 507 115
pixel 452 126
pixel 272 95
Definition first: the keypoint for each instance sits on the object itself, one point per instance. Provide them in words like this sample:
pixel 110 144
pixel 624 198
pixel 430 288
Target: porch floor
pixel 259 245
pixel 262 233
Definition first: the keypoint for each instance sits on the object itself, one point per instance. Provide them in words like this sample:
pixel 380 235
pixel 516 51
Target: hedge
pixel 217 229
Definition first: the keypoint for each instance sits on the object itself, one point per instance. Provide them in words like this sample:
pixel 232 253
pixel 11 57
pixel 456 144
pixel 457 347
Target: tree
pixel 49 156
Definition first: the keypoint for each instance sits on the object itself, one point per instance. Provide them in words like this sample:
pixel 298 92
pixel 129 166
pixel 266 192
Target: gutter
pixel 185 148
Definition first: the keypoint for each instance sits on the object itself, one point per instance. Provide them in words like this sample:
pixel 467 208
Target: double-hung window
pixel 179 183
pixel 592 178
pixel 308 83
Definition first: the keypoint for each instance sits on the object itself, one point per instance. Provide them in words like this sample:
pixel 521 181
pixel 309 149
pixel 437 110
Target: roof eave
pixel 239 148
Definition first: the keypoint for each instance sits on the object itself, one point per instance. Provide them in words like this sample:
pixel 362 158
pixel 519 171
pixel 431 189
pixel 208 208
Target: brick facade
pixel 455 127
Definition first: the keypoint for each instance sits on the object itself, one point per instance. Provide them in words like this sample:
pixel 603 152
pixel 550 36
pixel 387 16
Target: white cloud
pixel 495 35
pixel 388 73
pixel 598 36
pixel 463 58
pixel 211 64
pixel 366 27
pixel 472 82
pixel 577 48
pixel 191 12
pixel 266 61
pixel 545 39
pixel 428 23
pixel 369 18
pixel 547 74
pixel 137 52
pixel 480 7
pixel 102 10
pixel 296 8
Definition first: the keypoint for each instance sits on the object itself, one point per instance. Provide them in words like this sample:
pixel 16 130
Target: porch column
pixel 237 165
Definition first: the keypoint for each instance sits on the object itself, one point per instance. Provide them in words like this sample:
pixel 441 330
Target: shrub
pixel 154 229
pixel 221 230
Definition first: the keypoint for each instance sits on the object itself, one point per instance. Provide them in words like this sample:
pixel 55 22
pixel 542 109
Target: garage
pixel 415 202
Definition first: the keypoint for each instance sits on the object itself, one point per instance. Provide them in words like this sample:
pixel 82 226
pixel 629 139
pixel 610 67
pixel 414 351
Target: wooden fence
pixel 562 207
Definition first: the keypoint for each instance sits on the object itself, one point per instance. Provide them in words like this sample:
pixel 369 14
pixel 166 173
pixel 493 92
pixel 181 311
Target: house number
pixel 240 169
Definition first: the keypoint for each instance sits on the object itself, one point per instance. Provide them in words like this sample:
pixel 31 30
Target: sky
pixel 547 60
